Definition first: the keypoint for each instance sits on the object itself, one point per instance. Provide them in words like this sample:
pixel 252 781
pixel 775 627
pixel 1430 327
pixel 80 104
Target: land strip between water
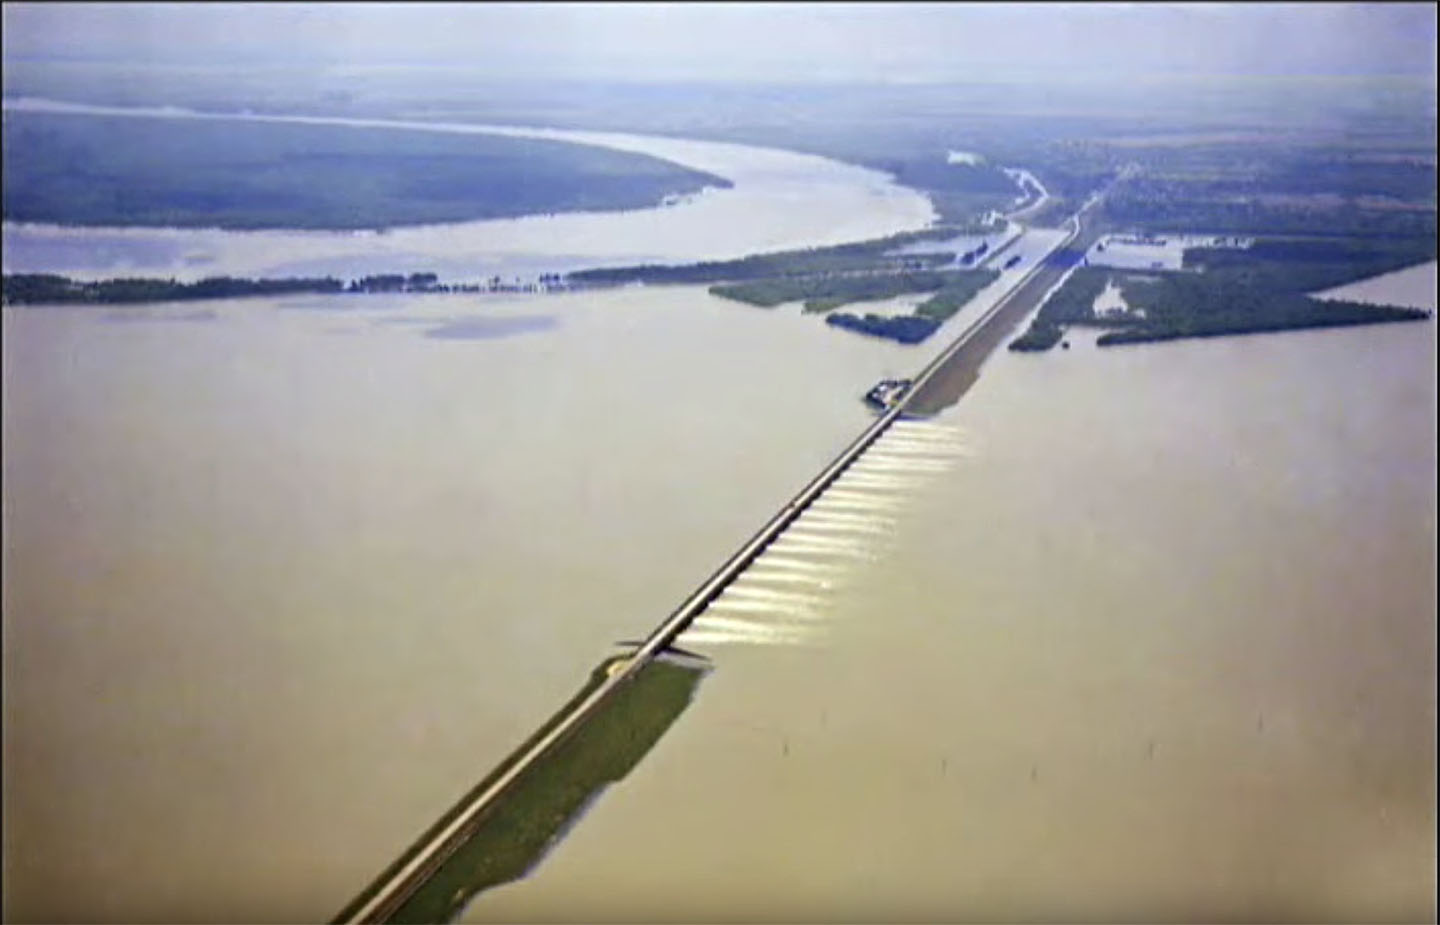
pixel 504 844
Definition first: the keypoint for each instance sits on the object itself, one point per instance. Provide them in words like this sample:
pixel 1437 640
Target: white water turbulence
pixel 779 200
pixel 849 497
pixel 785 596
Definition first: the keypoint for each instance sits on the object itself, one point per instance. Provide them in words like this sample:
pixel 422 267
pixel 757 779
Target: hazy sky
pixel 810 41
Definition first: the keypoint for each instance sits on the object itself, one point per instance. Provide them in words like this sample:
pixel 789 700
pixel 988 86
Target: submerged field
pixel 102 170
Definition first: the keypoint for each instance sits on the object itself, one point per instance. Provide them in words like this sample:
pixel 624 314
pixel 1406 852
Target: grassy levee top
pixel 82 169
pixel 509 839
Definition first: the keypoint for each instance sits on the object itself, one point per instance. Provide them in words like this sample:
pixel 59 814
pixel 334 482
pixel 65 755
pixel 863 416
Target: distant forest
pixel 50 289
pixel 47 289
pixel 74 169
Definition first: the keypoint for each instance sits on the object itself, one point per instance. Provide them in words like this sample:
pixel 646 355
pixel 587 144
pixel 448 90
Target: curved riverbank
pixel 779 200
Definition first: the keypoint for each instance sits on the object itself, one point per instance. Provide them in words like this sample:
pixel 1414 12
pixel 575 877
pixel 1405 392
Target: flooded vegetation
pixel 1222 291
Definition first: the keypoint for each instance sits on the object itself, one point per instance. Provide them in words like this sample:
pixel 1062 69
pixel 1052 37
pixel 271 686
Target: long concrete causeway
pixel 422 860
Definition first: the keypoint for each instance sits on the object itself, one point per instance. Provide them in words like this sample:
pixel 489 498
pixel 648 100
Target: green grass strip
pixel 953 289
pixel 956 294
pixel 514 835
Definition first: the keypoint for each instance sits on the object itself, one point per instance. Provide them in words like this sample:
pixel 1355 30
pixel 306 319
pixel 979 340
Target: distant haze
pixel 760 42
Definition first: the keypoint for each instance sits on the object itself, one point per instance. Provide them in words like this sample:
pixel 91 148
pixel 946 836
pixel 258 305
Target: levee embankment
pixel 957 370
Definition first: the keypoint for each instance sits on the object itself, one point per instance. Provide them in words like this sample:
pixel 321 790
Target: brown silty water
pixel 1158 644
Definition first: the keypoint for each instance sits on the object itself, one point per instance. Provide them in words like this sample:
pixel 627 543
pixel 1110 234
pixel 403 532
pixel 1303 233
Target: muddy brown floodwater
pixel 1138 633
pixel 283 579
pixel 1154 639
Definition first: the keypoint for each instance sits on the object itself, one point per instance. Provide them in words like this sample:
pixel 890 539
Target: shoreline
pixel 1421 295
pixel 845 203
pixel 669 201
